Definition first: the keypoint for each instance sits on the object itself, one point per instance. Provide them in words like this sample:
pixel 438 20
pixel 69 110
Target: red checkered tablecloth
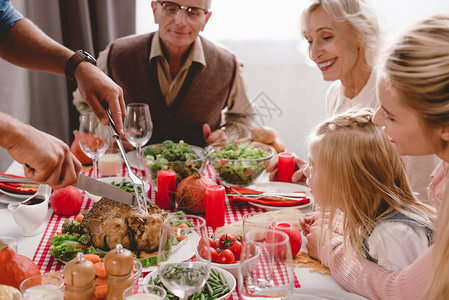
pixel 47 263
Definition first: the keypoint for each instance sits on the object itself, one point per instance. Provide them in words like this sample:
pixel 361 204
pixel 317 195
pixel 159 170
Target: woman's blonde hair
pixel 417 67
pixel 438 287
pixel 358 15
pixel 363 176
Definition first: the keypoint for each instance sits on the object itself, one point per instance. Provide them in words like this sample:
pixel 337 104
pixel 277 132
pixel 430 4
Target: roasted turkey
pixel 110 223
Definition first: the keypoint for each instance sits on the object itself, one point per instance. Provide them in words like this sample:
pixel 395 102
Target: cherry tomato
pixel 213 254
pixel 226 257
pixel 211 243
pixel 204 252
pixel 236 249
pixel 226 240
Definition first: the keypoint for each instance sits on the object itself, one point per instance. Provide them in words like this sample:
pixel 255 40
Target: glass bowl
pixel 237 165
pixel 183 168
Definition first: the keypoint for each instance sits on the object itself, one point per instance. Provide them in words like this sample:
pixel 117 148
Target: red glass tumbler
pixel 166 186
pixel 286 166
pixel 215 205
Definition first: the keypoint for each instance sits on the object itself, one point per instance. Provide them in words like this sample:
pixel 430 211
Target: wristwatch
pixel 75 60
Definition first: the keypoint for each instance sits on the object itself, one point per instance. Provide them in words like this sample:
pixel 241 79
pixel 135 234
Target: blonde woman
pixel 344 39
pixel 413 89
pixel 354 168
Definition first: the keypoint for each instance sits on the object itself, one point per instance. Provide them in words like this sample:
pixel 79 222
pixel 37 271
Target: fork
pixel 141 197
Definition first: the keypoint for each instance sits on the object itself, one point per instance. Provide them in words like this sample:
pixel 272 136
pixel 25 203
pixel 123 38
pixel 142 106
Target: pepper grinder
pixel 119 264
pixel 79 276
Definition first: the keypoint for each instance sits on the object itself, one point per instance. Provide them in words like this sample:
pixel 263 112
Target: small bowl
pixel 183 169
pixel 232 268
pixel 239 171
pixel 228 277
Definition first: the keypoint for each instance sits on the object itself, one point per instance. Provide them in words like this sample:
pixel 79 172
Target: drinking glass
pixel 183 233
pixel 272 276
pixel 138 127
pixel 94 138
pixel 144 292
pixel 42 287
pixel 257 221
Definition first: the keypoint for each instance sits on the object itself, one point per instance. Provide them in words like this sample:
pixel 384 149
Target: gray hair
pixel 357 14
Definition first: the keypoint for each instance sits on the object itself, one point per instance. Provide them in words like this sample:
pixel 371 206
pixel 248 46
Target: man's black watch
pixel 75 60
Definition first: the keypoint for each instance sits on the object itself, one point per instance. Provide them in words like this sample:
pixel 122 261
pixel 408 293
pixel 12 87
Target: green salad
pixel 180 157
pixel 239 163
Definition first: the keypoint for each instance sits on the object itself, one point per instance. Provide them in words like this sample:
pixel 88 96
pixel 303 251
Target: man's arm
pixel 49 159
pixel 27 46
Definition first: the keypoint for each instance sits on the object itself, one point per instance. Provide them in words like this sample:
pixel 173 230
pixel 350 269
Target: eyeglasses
pixel 172 9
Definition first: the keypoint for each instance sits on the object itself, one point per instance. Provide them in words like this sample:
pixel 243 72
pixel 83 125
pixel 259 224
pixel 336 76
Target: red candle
pixel 215 205
pixel 286 166
pixel 166 185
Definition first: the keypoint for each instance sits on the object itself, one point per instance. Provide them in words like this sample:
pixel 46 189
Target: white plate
pixel 116 180
pixel 327 294
pixel 230 280
pixel 15 195
pixel 182 251
pixel 284 187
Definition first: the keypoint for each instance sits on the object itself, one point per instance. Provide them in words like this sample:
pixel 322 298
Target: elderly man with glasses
pixel 187 80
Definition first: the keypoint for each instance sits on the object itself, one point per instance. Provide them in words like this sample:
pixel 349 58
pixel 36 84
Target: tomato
pixel 226 240
pixel 213 254
pixel 226 257
pixel 66 201
pixel 293 234
pixel 236 249
pixel 211 244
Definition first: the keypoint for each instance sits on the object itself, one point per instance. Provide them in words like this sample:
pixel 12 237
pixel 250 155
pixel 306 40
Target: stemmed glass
pixel 272 276
pixel 94 138
pixel 182 233
pixel 138 127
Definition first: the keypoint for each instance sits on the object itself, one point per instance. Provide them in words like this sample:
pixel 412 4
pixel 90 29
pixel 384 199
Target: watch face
pixel 88 57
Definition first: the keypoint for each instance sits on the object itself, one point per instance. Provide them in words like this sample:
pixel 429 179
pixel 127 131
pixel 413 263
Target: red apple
pixel 66 201
pixel 293 234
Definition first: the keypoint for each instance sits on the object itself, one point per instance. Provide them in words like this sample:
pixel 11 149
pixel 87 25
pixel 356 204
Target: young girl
pixel 355 169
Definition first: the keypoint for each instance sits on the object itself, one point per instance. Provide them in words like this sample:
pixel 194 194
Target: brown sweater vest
pixel 201 99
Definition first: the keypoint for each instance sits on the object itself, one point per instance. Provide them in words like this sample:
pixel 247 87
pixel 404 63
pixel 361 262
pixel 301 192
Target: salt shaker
pixel 79 276
pixel 119 264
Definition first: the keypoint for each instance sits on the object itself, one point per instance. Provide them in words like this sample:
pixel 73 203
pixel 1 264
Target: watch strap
pixel 73 62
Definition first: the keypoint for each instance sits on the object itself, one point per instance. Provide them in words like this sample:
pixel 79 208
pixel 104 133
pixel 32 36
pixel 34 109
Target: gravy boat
pixel 30 214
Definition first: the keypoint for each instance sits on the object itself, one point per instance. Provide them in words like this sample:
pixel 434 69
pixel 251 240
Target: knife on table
pixel 103 189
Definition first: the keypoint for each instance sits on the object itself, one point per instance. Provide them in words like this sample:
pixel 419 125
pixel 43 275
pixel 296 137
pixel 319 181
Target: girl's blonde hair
pixel 417 67
pixel 363 176
pixel 358 15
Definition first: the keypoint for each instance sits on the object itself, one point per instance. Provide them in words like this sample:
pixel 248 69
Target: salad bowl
pixel 239 163
pixel 179 157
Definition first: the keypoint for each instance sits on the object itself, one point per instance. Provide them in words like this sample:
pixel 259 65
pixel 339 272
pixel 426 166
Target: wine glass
pixel 182 233
pixel 272 276
pixel 138 127
pixel 94 138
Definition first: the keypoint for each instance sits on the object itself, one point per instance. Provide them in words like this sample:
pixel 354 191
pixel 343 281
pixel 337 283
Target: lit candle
pixel 215 205
pixel 166 185
pixel 286 166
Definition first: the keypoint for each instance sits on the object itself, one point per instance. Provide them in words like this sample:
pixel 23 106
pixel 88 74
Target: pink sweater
pixel 368 279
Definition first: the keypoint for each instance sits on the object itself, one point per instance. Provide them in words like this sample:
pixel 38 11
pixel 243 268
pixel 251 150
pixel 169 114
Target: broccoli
pixel 71 226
